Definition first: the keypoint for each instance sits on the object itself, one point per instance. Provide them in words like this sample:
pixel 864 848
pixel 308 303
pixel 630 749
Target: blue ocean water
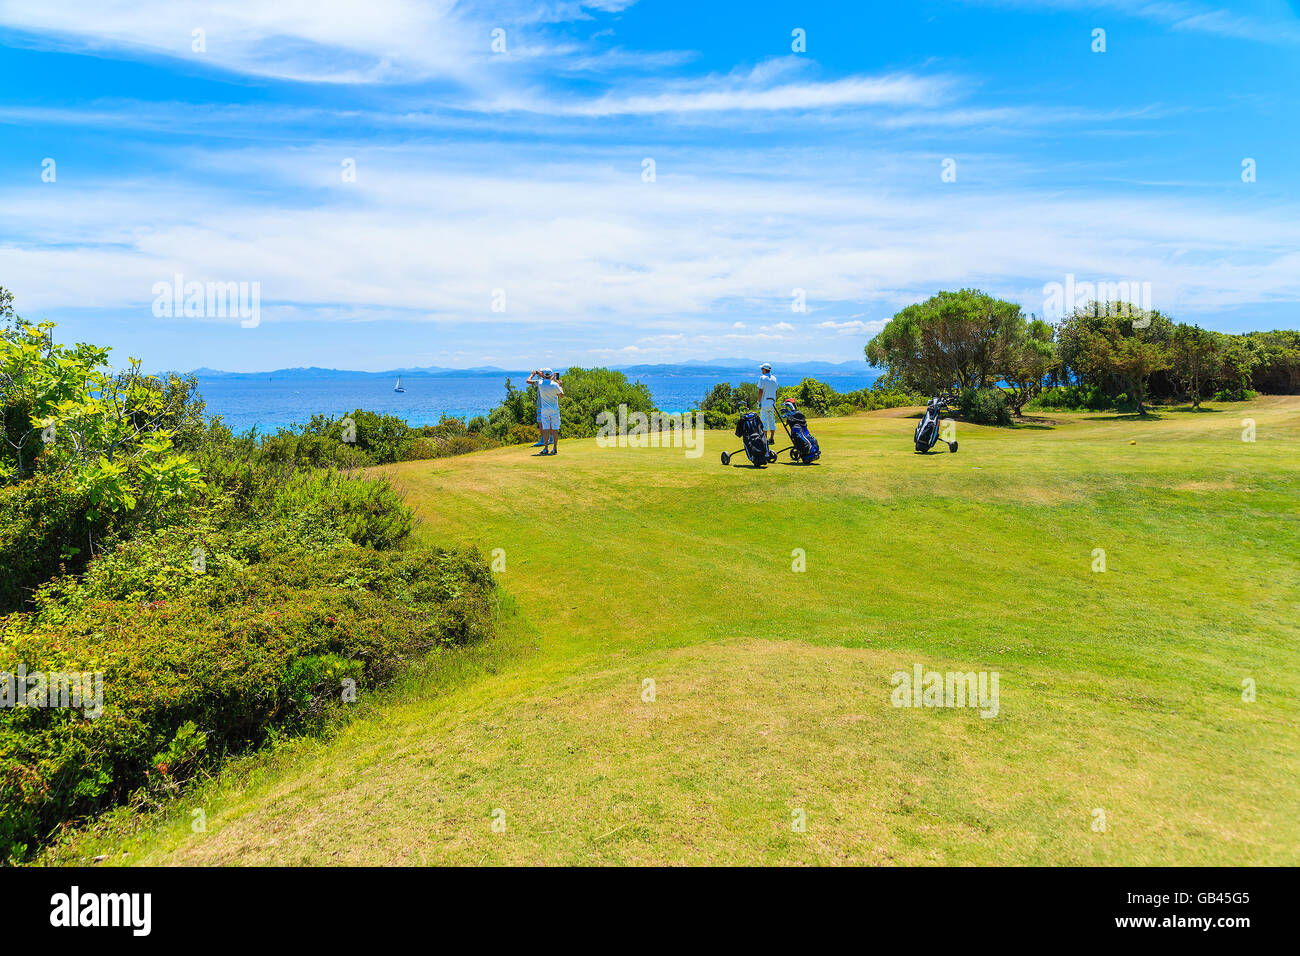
pixel 271 403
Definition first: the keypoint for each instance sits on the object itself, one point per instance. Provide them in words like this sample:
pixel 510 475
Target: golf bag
pixel 750 431
pixel 927 430
pixel 803 446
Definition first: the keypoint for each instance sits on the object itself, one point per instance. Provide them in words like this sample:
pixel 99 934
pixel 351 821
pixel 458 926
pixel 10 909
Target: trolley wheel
pixel 794 454
pixel 771 456
pixel 952 447
pixel 726 459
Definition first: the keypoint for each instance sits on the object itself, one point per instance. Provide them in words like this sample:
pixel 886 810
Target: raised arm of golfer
pixel 767 400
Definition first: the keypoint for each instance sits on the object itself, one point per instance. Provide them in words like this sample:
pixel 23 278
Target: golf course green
pixel 669 688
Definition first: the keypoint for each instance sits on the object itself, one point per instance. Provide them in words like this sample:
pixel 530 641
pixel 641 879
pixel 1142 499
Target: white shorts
pixel 549 420
pixel 768 416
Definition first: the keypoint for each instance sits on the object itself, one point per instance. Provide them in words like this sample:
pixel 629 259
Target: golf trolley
pixel 803 446
pixel 750 431
pixel 927 431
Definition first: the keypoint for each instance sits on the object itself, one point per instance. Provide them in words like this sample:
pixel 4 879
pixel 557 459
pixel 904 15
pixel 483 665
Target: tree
pixel 1118 351
pixel 1237 361
pixel 63 413
pixel 590 391
pixel 1278 369
pixel 518 408
pixel 953 339
pixel 587 393
pixel 1027 362
pixel 7 316
pixel 1078 331
pixel 1195 356
pixel 811 395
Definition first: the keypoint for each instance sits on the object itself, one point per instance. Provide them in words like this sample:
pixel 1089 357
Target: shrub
pixel 518 408
pixel 214 670
pixel 44 530
pixel 590 391
pixel 423 448
pixel 310 450
pixel 382 438
pixel 812 396
pixel 366 511
pixel 522 434
pixel 1073 398
pixel 984 406
pixel 1235 395
pixel 717 419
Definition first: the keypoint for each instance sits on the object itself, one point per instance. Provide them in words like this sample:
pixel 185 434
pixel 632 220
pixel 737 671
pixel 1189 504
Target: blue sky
pixel 519 177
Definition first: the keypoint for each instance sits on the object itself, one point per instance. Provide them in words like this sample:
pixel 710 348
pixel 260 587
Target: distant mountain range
pixel 723 367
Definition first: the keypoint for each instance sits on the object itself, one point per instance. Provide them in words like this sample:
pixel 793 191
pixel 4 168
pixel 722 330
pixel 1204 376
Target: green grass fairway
pixel 1120 691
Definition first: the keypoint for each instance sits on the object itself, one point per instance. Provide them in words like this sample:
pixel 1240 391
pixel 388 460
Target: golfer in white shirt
pixel 549 391
pixel 767 400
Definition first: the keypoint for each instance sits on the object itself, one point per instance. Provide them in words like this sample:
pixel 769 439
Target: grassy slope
pixel 1119 691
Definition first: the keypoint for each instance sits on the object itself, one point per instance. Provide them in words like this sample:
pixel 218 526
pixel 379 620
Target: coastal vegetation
pixel 173 595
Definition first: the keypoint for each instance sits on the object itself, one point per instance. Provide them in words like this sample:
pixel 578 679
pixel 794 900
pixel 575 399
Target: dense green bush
pixel 223 586
pixel 590 391
pixel 366 512
pixel 812 396
pixel 522 434
pixel 984 406
pixel 451 436
pixel 44 530
pixel 210 666
pixel 519 407
pixel 1073 398
pixel 879 395
pixel 309 450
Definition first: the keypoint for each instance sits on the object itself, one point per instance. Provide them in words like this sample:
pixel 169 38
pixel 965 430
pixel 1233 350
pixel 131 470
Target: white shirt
pixel 548 397
pixel 766 389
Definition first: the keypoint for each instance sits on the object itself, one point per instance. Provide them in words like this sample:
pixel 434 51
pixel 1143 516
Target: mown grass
pixel 1120 691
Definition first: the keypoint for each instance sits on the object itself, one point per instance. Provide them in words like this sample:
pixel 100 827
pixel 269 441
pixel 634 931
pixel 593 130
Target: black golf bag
pixel 750 431
pixel 803 446
pixel 927 430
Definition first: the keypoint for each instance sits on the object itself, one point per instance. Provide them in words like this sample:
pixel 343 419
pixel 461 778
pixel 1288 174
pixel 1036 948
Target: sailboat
pixel 398 386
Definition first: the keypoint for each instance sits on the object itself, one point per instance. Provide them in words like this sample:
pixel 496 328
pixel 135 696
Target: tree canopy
pixel 951 340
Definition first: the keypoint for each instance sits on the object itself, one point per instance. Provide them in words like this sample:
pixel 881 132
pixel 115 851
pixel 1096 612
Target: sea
pixel 271 403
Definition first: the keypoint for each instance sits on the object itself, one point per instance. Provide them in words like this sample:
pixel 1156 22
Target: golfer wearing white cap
pixel 548 408
pixel 767 400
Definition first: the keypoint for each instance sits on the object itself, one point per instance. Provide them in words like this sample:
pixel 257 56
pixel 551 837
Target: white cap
pixel 546 371
pixel 766 365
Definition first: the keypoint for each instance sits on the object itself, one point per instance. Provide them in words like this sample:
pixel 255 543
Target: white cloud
pixel 714 95
pixel 324 41
pixel 1265 21
pixel 853 326
pixel 581 245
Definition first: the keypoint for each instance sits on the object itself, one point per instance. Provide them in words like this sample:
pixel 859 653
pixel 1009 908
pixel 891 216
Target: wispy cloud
pixel 579 244
pixel 714 95
pixel 322 41
pixel 854 327
pixel 1261 21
